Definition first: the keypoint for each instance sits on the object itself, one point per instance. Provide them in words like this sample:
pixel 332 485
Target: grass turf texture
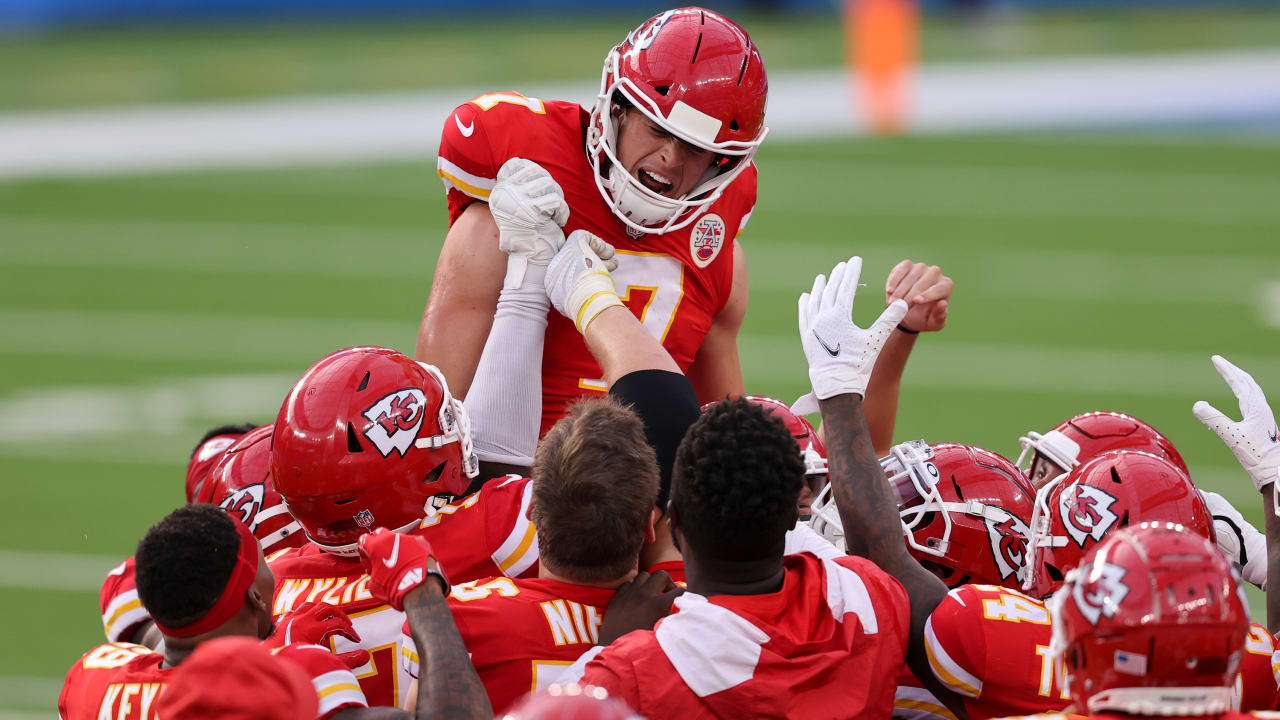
pixel 192 63
pixel 1091 273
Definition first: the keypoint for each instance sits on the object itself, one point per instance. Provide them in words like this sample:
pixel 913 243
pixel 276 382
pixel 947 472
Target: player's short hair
pixel 736 481
pixel 185 561
pixel 595 479
pixel 223 430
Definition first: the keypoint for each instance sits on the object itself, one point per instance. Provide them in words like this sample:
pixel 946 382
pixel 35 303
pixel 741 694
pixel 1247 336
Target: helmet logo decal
pixel 1106 591
pixel 1086 513
pixel 213 447
pixel 364 518
pixel 643 36
pixel 706 239
pixel 1008 544
pixel 244 504
pixel 395 420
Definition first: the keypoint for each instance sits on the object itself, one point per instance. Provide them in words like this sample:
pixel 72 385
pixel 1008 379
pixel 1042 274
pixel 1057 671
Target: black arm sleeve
pixel 667 406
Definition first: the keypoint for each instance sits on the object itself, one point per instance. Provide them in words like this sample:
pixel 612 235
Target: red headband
pixel 232 597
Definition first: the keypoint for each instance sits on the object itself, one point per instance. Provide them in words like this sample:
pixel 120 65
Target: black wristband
pixel 907 330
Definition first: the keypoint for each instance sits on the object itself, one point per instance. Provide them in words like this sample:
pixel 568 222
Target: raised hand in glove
pixel 311 624
pixel 529 209
pixel 1253 440
pixel 841 355
pixel 578 279
pixel 397 564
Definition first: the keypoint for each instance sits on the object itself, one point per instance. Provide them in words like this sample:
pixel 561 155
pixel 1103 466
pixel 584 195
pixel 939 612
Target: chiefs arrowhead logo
pixel 244 504
pixel 395 420
pixel 1086 512
pixel 1101 594
pixel 1008 544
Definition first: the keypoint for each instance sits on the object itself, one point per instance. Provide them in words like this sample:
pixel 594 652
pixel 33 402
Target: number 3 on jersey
pixel 651 285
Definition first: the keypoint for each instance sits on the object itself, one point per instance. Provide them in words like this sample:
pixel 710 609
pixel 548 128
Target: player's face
pixel 265 585
pixel 661 162
pixel 1043 470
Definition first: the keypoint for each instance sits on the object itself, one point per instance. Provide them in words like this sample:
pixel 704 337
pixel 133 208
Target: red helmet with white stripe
pixel 241 484
pixel 698 76
pixel 1152 622
pixel 1086 436
pixel 368 438
pixel 1076 511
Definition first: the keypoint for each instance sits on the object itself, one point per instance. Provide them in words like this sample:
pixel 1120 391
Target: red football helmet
pixel 697 75
pixel 571 702
pixel 1086 436
pixel 241 484
pixel 1153 622
pixel 1077 510
pixel 207 454
pixel 815 453
pixel 367 438
pixel 962 507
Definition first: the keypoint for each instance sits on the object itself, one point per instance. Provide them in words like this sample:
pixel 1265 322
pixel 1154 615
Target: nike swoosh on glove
pixel 841 355
pixel 397 564
pixel 528 207
pixel 1253 440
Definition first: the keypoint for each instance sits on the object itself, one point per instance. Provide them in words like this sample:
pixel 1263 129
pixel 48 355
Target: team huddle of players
pixel 568 507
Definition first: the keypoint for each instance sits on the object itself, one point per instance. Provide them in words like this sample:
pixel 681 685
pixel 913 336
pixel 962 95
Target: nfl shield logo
pixel 364 518
pixel 706 239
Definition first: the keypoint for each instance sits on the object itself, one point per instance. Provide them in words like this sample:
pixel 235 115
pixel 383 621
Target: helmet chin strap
pixel 353 549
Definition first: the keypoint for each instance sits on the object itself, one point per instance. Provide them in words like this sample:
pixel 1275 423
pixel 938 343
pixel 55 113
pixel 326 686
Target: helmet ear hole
pixel 353 441
pixel 364 382
pixel 434 474
pixel 662 89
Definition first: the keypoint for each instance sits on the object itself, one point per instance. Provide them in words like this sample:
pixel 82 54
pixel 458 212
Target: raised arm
pixel 716 370
pixel 841 356
pixel 1254 442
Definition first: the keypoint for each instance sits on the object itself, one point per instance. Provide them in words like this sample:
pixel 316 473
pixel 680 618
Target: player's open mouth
pixel 654 181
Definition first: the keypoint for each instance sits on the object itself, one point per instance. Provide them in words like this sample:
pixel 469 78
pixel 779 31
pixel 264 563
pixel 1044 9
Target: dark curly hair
pixel 736 481
pixel 184 562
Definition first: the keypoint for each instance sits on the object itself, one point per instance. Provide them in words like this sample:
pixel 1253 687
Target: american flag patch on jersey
pixel 1130 663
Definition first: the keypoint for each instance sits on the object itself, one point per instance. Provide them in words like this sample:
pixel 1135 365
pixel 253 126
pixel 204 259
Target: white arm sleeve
pixel 1242 543
pixel 505 399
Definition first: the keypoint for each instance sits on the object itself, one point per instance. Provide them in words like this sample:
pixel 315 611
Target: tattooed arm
pixel 841 356
pixel 448 686
pixel 869 515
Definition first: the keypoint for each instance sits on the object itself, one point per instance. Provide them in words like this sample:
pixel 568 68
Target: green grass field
pixel 1092 271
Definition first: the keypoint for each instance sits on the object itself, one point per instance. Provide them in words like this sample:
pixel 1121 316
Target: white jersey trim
pixel 710 661
pixel 520 550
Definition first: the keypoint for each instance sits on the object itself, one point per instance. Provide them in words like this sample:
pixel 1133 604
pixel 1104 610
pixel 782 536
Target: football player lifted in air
pixel 661 168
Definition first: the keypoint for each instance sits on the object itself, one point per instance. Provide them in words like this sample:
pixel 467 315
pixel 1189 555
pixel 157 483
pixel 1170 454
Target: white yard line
pixel 1057 93
pixel 53 571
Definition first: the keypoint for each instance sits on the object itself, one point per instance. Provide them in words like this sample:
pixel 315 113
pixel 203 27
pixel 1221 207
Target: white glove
pixel 578 279
pixel 1239 541
pixel 529 209
pixel 841 354
pixel 1252 440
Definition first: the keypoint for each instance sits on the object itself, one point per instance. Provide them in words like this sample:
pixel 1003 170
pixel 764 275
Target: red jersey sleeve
pixel 955 642
pixel 485 534
pixel 122 611
pixel 614 670
pixel 336 686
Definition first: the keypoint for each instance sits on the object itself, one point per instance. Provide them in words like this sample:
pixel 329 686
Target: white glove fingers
pixel 815 295
pixel 892 315
pixel 849 284
pixel 1242 386
pixel 803 307
pixel 1212 418
pixel 831 293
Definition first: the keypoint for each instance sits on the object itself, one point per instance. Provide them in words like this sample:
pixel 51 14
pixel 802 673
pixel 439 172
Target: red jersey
pixel 336 687
pixel 309 574
pixel 121 681
pixel 990 645
pixel 521 633
pixel 828 644
pixel 1228 715
pixel 673 568
pixel 122 611
pixel 486 534
pixel 675 283
pixel 1256 688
